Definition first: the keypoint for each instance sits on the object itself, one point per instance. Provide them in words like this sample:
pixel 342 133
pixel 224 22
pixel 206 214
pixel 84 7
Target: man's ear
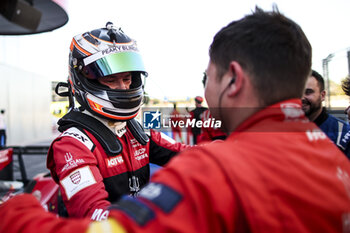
pixel 323 95
pixel 236 76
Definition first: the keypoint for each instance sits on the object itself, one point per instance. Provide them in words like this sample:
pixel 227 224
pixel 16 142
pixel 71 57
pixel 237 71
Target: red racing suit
pixel 176 129
pixel 90 180
pixel 210 133
pixel 276 173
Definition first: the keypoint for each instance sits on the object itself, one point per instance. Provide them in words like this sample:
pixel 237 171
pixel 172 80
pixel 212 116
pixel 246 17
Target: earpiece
pixel 233 80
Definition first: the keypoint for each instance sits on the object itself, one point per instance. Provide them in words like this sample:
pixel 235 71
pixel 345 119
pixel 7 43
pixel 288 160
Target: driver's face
pixel 121 81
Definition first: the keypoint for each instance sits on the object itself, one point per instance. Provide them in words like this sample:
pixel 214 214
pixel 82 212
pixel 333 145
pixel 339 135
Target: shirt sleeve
pixel 24 214
pixel 163 148
pixel 185 196
pixel 79 179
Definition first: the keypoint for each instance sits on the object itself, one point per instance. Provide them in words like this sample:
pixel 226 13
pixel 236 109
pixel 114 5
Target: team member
pixel 2 129
pixel 276 172
pixel 336 129
pixel 346 88
pixel 176 130
pixel 196 114
pixel 208 134
pixel 103 152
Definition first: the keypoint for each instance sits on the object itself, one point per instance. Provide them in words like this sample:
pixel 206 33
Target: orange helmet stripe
pixel 98 108
pixel 80 48
pixel 71 46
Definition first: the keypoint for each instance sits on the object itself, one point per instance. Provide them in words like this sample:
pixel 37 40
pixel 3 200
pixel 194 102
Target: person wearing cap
pixel 103 152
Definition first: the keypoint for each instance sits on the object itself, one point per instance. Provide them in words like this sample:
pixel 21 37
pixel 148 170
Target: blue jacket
pixel 336 129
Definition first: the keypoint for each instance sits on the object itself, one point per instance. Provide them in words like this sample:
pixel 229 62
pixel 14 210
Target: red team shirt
pixel 277 172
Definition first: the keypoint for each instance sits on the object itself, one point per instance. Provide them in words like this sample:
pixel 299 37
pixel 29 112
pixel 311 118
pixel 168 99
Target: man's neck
pixel 312 117
pixel 321 117
pixel 237 119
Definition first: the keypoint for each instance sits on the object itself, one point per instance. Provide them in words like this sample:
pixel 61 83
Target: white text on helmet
pixel 116 49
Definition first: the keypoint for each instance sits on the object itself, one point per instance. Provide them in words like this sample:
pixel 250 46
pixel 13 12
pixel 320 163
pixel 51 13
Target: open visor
pixel 114 63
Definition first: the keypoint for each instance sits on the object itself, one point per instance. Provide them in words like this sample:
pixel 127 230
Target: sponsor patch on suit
pixel 77 180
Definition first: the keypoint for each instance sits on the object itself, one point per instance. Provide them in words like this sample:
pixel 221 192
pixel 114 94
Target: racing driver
pixel 103 152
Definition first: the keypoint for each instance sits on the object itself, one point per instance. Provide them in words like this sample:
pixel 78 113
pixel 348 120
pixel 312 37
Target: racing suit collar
pixel 288 110
pixel 117 127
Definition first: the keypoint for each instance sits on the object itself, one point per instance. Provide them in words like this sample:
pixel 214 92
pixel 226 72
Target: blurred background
pixel 173 37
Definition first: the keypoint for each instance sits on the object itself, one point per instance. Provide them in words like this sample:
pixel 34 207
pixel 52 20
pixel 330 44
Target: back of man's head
pixel 271 48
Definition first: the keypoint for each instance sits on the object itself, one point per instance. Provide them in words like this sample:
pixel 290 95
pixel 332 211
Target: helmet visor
pixel 114 63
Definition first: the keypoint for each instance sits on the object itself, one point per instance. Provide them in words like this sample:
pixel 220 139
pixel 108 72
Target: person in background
pixel 176 130
pixel 346 88
pixel 333 127
pixel 276 171
pixel 196 114
pixel 2 129
pixel 209 134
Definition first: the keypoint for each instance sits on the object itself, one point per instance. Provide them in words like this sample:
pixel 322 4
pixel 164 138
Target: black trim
pixel 222 137
pixel 29 188
pixel 138 132
pixel 110 143
pixel 160 155
pixel 118 185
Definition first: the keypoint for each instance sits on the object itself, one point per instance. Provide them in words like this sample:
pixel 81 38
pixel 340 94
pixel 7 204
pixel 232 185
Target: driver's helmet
pixel 100 53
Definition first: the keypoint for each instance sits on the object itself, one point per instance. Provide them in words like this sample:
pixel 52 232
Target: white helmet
pixel 100 53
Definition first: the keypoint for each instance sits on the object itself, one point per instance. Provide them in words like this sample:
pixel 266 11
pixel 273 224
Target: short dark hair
pixel 346 86
pixel 319 79
pixel 271 48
